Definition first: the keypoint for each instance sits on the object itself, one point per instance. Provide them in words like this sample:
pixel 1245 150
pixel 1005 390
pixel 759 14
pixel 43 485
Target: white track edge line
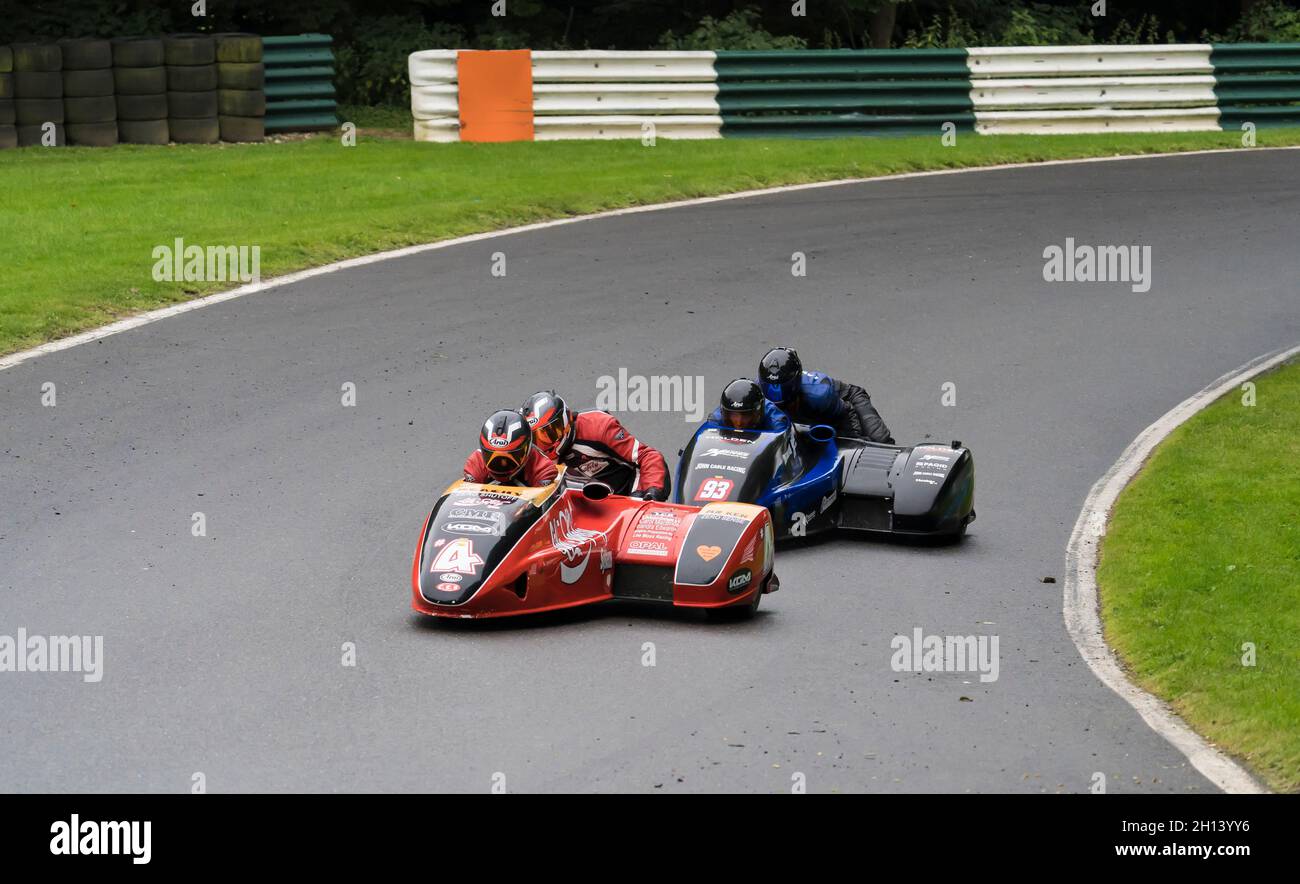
pixel 1080 600
pixel 151 316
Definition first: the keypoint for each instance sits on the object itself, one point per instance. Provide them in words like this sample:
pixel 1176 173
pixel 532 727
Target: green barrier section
pixel 832 93
pixel 299 83
pixel 843 125
pixel 849 64
pixel 1257 83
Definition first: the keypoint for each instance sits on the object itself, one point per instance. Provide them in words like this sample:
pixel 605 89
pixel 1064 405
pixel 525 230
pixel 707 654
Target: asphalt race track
pixel 223 653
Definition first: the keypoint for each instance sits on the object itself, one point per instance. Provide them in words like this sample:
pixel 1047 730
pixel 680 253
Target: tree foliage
pixel 373 37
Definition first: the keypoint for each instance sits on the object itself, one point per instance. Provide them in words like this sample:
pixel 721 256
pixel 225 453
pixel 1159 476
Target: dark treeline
pixel 373 37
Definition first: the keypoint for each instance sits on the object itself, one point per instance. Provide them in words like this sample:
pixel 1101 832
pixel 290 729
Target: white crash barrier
pixel 1092 92
pixel 607 95
pixel 1061 90
pixel 624 98
pixel 434 95
pixel 1075 61
pixel 605 66
pixel 640 127
pixel 432 67
pixel 432 102
pixel 1074 122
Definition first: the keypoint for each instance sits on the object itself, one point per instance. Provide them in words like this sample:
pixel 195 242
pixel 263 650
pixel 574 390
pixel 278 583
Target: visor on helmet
pixel 548 435
pixel 774 391
pixel 504 464
pixel 741 420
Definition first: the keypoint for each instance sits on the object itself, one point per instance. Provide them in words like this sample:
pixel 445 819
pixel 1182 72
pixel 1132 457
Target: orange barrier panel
pixel 496 94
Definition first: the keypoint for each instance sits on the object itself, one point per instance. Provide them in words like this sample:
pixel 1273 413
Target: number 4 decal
pixel 716 488
pixel 457 556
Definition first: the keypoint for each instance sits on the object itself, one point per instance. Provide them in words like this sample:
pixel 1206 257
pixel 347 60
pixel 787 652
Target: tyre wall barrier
pixel 188 88
pixel 831 93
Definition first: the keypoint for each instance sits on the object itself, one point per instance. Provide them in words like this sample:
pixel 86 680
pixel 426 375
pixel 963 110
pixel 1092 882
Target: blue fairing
pixel 787 472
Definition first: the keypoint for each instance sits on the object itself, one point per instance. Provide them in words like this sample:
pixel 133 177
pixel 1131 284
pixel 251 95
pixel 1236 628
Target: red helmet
pixel 551 421
pixel 505 442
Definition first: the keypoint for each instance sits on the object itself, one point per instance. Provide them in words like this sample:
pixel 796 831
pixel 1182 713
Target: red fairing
pixel 605 451
pixel 539 470
pixel 493 551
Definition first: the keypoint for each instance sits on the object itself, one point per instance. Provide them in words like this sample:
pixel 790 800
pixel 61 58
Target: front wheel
pixel 737 612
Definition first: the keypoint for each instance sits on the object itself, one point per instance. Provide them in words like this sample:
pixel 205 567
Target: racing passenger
pixel 743 407
pixel 812 397
pixel 595 446
pixel 506 455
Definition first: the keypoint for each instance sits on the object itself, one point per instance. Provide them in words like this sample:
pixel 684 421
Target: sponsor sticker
pixel 648 548
pixel 467 528
pixel 725 452
pixel 732 438
pixel 708 553
pixel 724 467
pixel 828 500
pixel 739 580
pixel 711 515
pixel 488 498
pixel 591 467
pixel 575 545
pixel 744 510
pixel 932 467
pixel 479 515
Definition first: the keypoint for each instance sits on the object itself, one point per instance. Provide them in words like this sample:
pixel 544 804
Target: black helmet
pixel 505 441
pixel 780 372
pixel 742 404
pixel 551 421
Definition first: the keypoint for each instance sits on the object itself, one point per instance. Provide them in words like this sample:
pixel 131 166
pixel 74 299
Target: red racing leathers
pixel 604 451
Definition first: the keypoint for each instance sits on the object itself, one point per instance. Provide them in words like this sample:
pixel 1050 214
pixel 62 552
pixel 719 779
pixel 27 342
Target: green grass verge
pixel 1202 556
pixel 80 224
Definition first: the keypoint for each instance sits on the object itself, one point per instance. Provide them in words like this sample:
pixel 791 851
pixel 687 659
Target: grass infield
pixel 1202 559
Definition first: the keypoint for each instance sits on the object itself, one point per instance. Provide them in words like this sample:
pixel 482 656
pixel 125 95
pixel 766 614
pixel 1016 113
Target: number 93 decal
pixel 716 488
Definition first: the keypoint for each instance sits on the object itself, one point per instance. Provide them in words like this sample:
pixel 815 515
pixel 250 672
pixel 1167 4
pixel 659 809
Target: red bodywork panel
pixel 492 551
